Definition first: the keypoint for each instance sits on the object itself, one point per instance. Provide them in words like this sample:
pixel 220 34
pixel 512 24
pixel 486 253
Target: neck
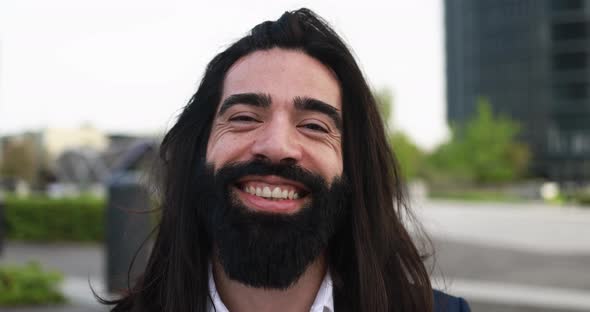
pixel 297 298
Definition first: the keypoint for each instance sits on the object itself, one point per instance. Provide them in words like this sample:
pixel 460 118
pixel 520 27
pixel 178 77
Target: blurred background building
pixel 62 161
pixel 530 58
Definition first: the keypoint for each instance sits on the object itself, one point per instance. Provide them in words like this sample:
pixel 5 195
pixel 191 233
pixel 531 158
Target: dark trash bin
pixel 2 221
pixel 127 229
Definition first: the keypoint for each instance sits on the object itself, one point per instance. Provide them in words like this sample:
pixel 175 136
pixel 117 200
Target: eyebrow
pixel 253 99
pixel 311 104
pixel 301 103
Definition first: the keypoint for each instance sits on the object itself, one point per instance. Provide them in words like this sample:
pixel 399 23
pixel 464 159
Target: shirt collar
pixel 324 300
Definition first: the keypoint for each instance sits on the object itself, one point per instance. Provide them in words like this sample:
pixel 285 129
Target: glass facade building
pixel 530 58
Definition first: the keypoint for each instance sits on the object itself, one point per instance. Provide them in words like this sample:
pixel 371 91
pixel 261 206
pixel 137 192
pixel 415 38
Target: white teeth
pixel 277 193
pixel 274 193
pixel 266 192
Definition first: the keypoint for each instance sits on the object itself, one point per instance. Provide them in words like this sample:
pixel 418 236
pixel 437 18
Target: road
pixel 511 257
pixel 500 257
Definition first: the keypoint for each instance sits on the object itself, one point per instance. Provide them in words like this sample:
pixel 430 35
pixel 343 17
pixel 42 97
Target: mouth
pixel 271 194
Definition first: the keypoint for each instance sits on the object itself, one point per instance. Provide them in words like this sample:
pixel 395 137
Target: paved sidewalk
pixel 498 256
pixel 80 260
pixel 65 308
pixel 470 261
pixel 512 257
pixel 534 227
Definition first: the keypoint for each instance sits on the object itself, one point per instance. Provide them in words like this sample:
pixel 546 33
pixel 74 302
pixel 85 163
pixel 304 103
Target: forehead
pixel 284 74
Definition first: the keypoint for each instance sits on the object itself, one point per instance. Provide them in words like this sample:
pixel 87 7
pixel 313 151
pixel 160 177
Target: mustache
pixel 232 172
pixel 268 250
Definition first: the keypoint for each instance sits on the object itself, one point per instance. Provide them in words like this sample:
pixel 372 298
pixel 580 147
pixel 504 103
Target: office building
pixel 530 58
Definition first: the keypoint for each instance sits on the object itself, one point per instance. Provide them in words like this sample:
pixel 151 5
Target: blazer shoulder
pixel 447 303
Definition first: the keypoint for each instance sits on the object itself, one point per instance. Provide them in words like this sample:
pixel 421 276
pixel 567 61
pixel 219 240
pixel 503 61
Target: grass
pixel 29 285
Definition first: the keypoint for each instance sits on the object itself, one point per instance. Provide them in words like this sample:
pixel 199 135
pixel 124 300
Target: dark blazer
pixel 447 303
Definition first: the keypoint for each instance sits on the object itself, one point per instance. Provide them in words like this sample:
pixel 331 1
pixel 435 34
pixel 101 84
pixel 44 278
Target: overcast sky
pixel 132 65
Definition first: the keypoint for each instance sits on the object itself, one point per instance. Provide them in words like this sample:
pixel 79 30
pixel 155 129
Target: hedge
pixel 29 285
pixel 45 219
pixel 582 198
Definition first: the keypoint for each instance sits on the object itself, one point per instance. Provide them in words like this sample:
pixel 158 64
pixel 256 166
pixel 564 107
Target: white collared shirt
pixel 324 301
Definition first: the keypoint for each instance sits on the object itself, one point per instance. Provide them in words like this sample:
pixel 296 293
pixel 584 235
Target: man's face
pixel 284 107
pixel 273 183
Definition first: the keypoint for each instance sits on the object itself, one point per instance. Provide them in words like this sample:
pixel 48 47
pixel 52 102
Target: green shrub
pixel 46 219
pixel 29 285
pixel 582 198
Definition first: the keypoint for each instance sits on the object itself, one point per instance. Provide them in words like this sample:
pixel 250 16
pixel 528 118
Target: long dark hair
pixel 374 263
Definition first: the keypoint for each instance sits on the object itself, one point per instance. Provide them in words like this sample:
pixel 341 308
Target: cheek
pixel 336 162
pixel 336 167
pixel 327 160
pixel 225 149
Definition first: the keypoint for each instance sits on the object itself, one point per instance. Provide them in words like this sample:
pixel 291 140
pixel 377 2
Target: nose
pixel 278 143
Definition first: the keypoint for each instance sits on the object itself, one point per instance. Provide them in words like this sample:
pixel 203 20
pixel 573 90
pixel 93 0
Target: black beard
pixel 270 250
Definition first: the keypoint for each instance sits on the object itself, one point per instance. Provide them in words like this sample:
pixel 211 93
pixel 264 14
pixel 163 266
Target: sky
pixel 131 66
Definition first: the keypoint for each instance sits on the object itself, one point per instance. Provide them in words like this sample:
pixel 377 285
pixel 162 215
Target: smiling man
pixel 280 192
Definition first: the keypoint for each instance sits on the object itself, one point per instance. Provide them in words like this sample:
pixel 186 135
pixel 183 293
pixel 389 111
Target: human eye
pixel 243 118
pixel 315 126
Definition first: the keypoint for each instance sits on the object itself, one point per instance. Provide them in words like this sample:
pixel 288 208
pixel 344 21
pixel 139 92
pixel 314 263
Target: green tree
pixel 483 150
pixel 384 100
pixel 408 155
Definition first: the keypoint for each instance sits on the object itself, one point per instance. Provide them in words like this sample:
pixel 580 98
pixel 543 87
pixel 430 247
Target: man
pixel 280 192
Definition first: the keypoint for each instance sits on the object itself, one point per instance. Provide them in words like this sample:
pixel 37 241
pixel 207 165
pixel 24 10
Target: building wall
pixel 530 59
pixel 55 140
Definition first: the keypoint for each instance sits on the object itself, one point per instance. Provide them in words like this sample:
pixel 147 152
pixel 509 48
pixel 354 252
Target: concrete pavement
pixel 514 257
pixel 500 257
pixel 534 227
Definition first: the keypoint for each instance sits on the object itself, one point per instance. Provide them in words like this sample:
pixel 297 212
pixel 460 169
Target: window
pixel 555 141
pixel 580 143
pixel 569 31
pixel 572 60
pixel 561 5
pixel 571 91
